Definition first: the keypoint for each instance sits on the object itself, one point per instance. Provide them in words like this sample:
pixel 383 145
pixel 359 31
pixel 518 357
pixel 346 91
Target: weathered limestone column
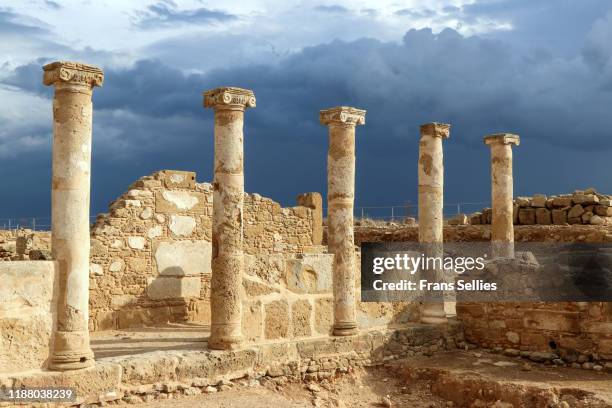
pixel 502 228
pixel 342 121
pixel 72 120
pixel 228 201
pixel 431 206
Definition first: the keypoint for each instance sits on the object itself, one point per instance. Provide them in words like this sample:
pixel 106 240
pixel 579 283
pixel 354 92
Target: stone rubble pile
pixel 582 207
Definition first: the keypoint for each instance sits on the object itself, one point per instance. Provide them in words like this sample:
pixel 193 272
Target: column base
pixel 68 360
pixel 345 329
pixel 433 313
pixel 502 249
pixel 225 342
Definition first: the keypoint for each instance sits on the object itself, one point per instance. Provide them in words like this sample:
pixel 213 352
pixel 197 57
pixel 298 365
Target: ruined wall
pixel 581 207
pixel 17 244
pixel 290 296
pixel 573 331
pixel 150 255
pixel 577 332
pixel 27 314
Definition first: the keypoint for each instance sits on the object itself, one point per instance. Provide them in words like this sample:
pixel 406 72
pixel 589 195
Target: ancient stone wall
pixel 581 207
pixel 17 244
pixel 151 254
pixel 290 296
pixel 576 332
pixel 573 331
pixel 27 314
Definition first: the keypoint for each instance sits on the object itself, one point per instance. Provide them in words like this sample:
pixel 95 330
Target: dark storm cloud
pixel 166 13
pixel 150 116
pixel 559 24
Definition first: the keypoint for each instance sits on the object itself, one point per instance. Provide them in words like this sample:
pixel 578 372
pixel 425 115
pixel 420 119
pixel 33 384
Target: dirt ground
pixel 372 388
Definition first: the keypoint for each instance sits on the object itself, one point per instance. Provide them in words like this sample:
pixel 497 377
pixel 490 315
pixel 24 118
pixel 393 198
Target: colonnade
pixel 72 116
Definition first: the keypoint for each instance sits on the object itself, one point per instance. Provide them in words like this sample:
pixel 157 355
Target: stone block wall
pixel 290 296
pixel 151 254
pixel 577 332
pixel 581 207
pixel 27 314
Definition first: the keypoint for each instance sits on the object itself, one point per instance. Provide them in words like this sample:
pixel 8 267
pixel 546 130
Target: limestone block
pixel 596 220
pixel 552 320
pixel 301 315
pixel 310 273
pixel 276 320
pixel 136 242
pixel 120 301
pixel 172 287
pixel 252 321
pixel 586 217
pixel 183 258
pixel 559 216
pixel 177 179
pixel 562 202
pixel 96 269
pixel 116 244
pixel 154 232
pixel 538 201
pixel 603 210
pixel 254 288
pixel 604 348
pixel 176 201
pixel 543 216
pixel 139 194
pixel 138 265
pixel 160 218
pixel 324 316
pixel 527 216
pixel 104 320
pixel 27 313
pixel 182 225
pixel 269 268
pixel 576 211
pixel 459 219
pixel 146 213
pixel 585 199
pixel 523 201
pixel 116 266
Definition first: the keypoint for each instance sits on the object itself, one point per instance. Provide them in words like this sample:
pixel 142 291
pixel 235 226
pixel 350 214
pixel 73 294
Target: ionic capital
pixel 502 138
pixel 342 115
pixel 229 98
pixel 72 73
pixel 434 129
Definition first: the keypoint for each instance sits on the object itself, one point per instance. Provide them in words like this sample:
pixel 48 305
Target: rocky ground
pixel 470 378
pixel 371 388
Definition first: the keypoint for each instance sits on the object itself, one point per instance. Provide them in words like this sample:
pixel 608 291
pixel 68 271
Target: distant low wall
pixel 28 291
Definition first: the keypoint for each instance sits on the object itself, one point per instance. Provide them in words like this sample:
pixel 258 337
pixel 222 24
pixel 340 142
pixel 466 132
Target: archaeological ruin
pixel 187 287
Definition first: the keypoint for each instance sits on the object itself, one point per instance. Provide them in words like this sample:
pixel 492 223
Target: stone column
pixel 72 120
pixel 228 202
pixel 431 207
pixel 340 200
pixel 502 228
